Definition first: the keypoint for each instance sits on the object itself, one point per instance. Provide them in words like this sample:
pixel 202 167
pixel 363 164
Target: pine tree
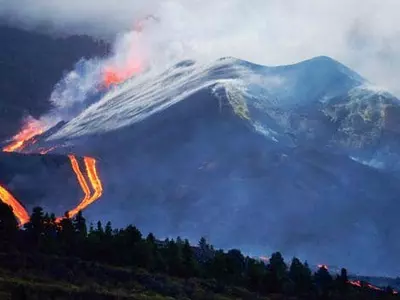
pixel 66 234
pixel 205 251
pixel 35 227
pixel 174 259
pixel 255 273
pixel 234 265
pixel 151 238
pixel 50 234
pixel 8 228
pixel 79 224
pixel 277 273
pixel 99 229
pixel 108 230
pixel 189 262
pixel 300 275
pixel 323 279
pixel 217 266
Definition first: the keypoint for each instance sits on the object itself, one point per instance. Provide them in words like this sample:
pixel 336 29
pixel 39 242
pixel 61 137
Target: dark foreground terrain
pixel 62 259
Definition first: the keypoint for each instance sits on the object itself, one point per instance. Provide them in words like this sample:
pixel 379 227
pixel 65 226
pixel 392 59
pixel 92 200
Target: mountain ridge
pixel 232 153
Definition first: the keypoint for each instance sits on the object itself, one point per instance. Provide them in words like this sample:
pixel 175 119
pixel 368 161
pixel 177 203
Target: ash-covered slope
pixel 261 158
pixel 318 103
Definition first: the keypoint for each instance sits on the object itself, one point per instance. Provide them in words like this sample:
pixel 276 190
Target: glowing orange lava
pixel 82 182
pixel 323 267
pixel 119 71
pixel 18 210
pixel 113 75
pixel 27 137
pixel 45 151
pixel 31 128
pixel 95 182
pixel 357 283
pixel 94 179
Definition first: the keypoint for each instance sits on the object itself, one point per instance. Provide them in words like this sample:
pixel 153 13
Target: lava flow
pixel 31 128
pixel 19 211
pixel 82 182
pixel 95 182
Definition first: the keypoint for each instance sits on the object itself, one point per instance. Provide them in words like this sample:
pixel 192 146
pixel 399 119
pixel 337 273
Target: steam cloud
pixel 360 33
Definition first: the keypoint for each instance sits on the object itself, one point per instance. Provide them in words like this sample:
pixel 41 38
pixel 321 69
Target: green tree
pixel 108 230
pixel 35 227
pixel 255 274
pixel 300 275
pixel 79 224
pixel 66 235
pixel 174 259
pixel 323 279
pixel 277 272
pixel 235 264
pixel 99 229
pixel 217 266
pixel 190 264
pixel 50 244
pixel 8 228
pixel 342 279
pixel 205 251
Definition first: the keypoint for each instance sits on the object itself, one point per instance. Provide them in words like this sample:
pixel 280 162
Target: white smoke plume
pixel 360 33
pixel 156 33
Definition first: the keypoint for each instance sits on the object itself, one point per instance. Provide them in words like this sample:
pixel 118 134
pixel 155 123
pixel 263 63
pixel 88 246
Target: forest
pixel 66 258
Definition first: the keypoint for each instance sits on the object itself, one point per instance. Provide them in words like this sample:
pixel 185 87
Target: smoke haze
pixel 360 33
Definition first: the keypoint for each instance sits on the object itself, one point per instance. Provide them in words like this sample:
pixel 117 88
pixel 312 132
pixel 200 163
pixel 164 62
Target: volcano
pixel 301 158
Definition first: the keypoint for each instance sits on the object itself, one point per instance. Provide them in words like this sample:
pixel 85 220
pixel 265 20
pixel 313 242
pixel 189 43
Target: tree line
pixel 70 237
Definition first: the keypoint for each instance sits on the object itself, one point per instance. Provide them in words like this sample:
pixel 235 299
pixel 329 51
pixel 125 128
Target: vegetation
pixel 50 259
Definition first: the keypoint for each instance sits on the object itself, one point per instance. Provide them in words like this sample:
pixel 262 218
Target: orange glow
pixel 18 210
pixel 117 72
pixel 356 283
pixel 94 179
pixel 45 151
pixel 113 75
pixel 31 128
pixel 82 182
pixel 372 287
pixel 323 267
pixel 90 165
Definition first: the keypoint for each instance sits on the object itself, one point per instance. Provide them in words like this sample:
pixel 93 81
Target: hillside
pixel 30 65
pixel 233 150
pixel 62 259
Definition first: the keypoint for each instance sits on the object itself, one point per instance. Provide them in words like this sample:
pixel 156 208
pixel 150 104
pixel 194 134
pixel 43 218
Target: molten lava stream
pixel 45 151
pixel 20 140
pixel 19 211
pixel 82 182
pixel 90 165
pixel 93 176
